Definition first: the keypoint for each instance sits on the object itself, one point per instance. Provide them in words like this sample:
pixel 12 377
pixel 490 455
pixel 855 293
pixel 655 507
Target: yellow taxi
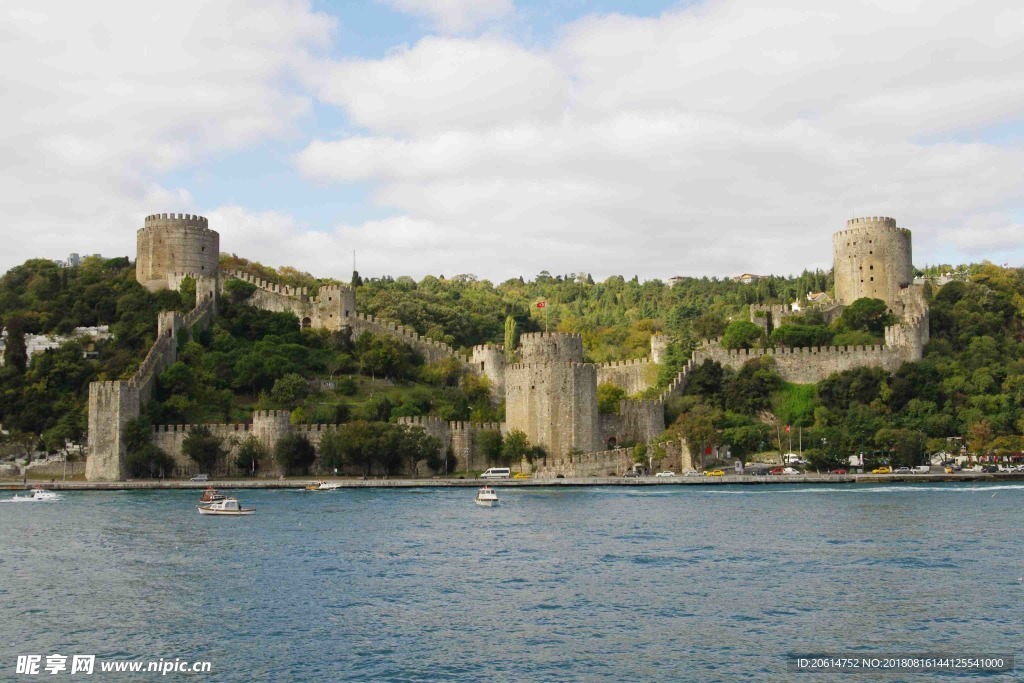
pixel 882 470
pixel 521 475
pixel 714 473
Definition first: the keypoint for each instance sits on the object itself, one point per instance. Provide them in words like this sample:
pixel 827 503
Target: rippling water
pixel 590 584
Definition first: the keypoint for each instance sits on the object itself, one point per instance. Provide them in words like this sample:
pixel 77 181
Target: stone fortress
pixel 550 393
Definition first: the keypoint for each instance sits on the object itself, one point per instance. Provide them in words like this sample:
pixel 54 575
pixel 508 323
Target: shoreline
pixel 745 479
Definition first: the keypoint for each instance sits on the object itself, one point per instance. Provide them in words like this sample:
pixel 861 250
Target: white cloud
pixel 714 139
pixel 454 16
pixel 101 98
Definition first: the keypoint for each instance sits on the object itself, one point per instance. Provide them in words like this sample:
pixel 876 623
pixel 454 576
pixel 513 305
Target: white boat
pixel 486 497
pixel 228 507
pixel 323 486
pixel 39 495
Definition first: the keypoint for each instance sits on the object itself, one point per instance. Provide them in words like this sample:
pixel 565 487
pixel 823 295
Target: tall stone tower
pixel 552 394
pixel 872 258
pixel 489 360
pixel 171 245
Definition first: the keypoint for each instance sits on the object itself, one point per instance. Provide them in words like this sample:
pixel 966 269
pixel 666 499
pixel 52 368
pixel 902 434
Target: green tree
pixel 332 451
pixel 203 448
pixel 294 453
pixel 251 455
pixel 745 440
pixel 489 443
pixel 510 339
pixel 515 446
pixel 868 315
pixel 142 457
pixel 608 397
pixel 904 447
pixel 15 352
pixel 289 391
pixel 742 335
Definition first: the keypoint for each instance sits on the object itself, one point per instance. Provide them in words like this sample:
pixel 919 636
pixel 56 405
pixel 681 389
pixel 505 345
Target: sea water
pixel 672 583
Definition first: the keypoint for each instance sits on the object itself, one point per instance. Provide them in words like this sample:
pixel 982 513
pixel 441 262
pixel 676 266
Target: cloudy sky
pixel 507 137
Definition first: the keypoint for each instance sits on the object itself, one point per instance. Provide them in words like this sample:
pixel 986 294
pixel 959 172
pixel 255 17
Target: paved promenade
pixel 400 482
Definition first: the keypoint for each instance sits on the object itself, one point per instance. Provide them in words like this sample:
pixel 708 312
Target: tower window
pixel 871 267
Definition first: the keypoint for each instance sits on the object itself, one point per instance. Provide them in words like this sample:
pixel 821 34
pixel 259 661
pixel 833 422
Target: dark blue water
pixel 593 584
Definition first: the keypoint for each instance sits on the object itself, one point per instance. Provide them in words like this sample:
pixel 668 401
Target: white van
pixel 497 473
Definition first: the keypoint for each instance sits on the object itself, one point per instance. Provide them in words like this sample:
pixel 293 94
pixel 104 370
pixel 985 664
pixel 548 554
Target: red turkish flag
pixel 542 304
pixel 787 429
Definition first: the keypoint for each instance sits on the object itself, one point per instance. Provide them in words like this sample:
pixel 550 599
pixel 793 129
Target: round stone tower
pixel 872 258
pixel 659 343
pixel 172 244
pixel 489 359
pixel 552 395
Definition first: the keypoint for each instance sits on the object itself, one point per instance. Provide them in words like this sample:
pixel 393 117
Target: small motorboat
pixel 210 495
pixel 37 495
pixel 323 486
pixel 486 497
pixel 228 507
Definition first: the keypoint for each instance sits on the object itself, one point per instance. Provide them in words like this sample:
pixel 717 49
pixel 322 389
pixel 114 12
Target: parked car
pixel 791 470
pixel 200 477
pixel 990 469
pixel 778 470
pixel 665 474
pixel 714 473
pixel 692 473
pixel 838 471
pixel 902 470
pixel 631 473
pixel 922 469
pixel 521 475
pixel 884 469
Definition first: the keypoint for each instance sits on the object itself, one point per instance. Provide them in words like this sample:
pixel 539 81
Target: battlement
pixel 530 336
pixel 549 364
pixel 882 221
pixel 271 415
pixel 489 347
pixel 420 421
pixel 865 228
pixel 215 428
pixel 330 293
pixel 625 363
pixel 472 426
pixel 185 217
pixel 260 283
pixel 638 403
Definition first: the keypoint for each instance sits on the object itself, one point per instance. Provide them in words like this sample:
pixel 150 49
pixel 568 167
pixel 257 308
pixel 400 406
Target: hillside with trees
pixel 969 385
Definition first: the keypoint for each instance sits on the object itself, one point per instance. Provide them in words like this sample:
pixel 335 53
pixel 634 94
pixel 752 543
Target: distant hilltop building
pixel 747 278
pixel 74 260
pixel 37 343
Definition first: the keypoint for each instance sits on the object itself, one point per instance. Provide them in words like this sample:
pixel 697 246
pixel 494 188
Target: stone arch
pixel 612 443
pixel 306 323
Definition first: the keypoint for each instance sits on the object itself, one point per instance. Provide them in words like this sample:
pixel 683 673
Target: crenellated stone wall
pixel 633 376
pixel 615 462
pixel 113 404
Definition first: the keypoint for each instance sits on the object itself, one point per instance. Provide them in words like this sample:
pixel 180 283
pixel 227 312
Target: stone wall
pixel 554 404
pixel 615 462
pixel 334 308
pixel 171 243
pixel 638 421
pixel 634 376
pixel 113 404
pixel 807 365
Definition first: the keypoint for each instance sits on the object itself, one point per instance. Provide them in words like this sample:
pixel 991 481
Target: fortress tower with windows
pixel 872 258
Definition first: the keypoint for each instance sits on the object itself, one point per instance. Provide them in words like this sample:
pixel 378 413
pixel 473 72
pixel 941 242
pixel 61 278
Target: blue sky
pixel 506 137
